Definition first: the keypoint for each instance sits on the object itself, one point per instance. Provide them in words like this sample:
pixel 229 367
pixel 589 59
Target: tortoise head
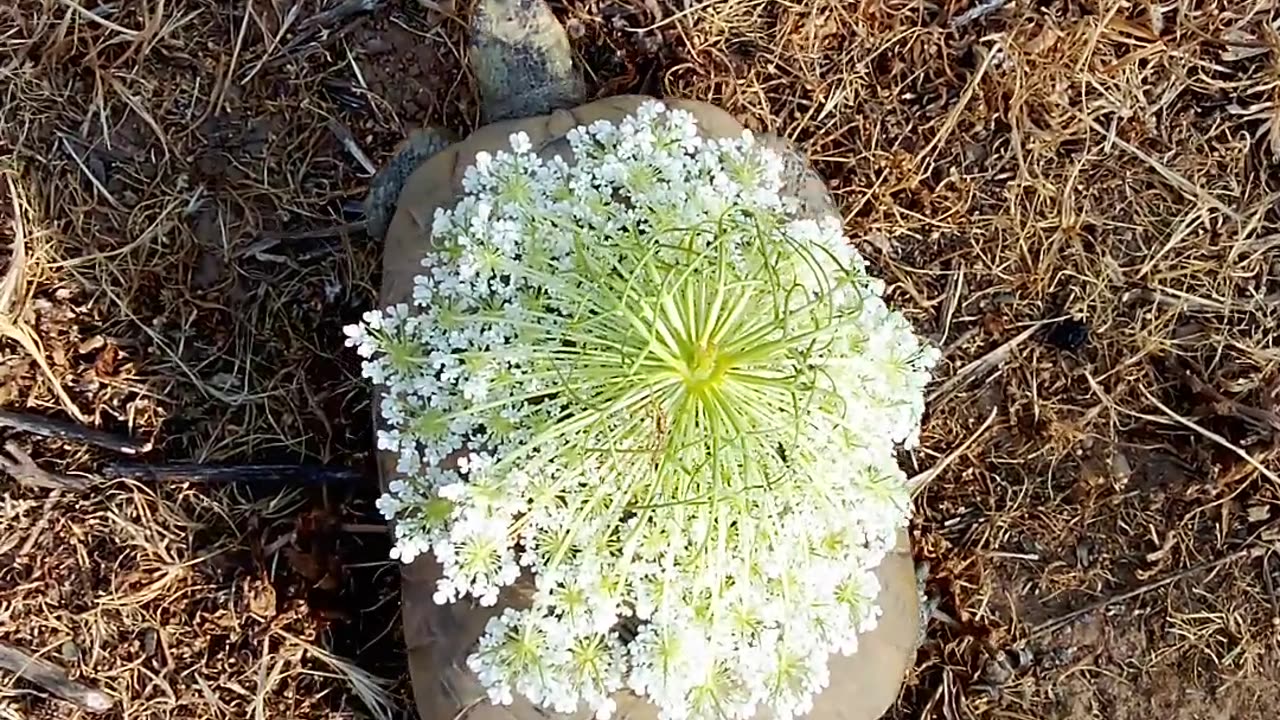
pixel 521 59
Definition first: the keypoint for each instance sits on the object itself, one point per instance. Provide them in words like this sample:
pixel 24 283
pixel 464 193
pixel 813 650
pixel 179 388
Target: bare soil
pixel 1076 200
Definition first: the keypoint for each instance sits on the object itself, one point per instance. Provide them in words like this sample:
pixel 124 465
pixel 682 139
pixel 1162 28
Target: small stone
pixel 70 651
pixel 1121 468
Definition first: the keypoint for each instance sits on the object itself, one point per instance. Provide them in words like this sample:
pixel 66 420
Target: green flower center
pixel 705 370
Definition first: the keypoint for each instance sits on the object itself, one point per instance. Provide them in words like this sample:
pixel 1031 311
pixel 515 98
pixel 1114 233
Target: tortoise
pixel 523 66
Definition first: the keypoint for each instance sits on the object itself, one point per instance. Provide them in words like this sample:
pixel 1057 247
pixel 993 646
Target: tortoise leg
pixel 521 60
pixel 384 188
pixel 928 603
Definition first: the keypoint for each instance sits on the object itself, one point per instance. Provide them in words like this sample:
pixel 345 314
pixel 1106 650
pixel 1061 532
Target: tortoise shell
pixel 439 638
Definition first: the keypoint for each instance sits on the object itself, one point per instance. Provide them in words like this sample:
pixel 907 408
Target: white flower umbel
pixel 644 379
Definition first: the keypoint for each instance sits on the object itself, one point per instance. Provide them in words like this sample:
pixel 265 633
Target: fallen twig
pixel 955 288
pixel 63 430
pixel 981 366
pixel 91 17
pixel 296 48
pixel 53 679
pixel 348 141
pixel 97 185
pixel 37 530
pixel 1061 620
pixel 921 480
pixel 19 466
pixel 977 12
pixel 251 474
pixel 1174 299
pixel 364 529
pixel 340 12
pixel 1224 405
pixel 316 25
pixel 1210 435
pixel 1271 586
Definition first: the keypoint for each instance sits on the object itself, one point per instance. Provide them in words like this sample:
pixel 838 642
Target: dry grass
pixel 158 159
pixel 151 598
pixel 1109 162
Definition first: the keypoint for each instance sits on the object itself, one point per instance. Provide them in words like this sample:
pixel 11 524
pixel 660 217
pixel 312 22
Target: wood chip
pixel 53 679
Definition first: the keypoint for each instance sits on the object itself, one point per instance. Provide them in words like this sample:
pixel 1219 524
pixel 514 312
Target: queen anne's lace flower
pixel 649 382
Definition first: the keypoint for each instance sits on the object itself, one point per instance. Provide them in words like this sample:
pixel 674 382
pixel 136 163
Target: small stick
pixel 297 47
pixel 981 366
pixel 253 474
pixel 1224 404
pixel 964 337
pixel 22 468
pixel 977 12
pixel 63 430
pixel 53 679
pixel 348 141
pixel 38 530
pixel 918 483
pixel 1061 620
pixel 1271 586
pixel 1175 299
pixel 955 286
pixel 102 190
pixel 279 543
pixel 88 15
pixel 364 529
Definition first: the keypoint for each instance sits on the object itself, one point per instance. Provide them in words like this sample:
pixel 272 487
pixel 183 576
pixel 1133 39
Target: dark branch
pixel 249 474
pixel 63 430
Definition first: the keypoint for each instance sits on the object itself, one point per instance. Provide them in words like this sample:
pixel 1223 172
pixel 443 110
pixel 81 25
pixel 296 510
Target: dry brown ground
pixel 1078 200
